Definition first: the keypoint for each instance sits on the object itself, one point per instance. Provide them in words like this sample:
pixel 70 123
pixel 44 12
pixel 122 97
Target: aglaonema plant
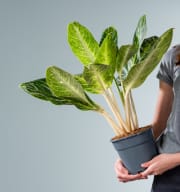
pixel 104 65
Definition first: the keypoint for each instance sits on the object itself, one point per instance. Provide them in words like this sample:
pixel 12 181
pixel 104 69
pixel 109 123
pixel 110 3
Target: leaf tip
pixel 50 68
pixel 22 86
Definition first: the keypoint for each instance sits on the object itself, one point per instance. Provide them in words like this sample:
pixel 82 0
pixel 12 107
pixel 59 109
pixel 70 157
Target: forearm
pixel 158 128
pixel 163 108
pixel 175 159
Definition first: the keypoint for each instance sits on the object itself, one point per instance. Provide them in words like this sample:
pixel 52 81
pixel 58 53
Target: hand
pixel 161 163
pixel 123 175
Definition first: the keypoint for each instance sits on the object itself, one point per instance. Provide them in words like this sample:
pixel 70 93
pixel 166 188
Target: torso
pixel 170 140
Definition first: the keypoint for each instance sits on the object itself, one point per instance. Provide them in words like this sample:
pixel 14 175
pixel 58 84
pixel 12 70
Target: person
pixel 166 129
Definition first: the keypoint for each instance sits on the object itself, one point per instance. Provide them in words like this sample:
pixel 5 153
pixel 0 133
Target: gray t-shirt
pixel 169 72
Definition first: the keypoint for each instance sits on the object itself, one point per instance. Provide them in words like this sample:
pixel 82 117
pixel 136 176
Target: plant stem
pixel 131 116
pixel 114 110
pixel 114 102
pixel 112 106
pixel 128 111
pixel 115 127
pixel 134 114
pixel 119 91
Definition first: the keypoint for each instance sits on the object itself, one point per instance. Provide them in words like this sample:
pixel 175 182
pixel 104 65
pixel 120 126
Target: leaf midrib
pixel 87 49
pixel 68 85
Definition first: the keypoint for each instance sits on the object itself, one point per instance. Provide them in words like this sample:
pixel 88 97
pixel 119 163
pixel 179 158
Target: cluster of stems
pixel 121 124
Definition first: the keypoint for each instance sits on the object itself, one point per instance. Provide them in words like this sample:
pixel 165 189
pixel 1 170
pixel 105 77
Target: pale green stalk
pixel 114 111
pixel 134 114
pixel 131 116
pixel 115 104
pixel 119 91
pixel 127 111
pixel 112 106
pixel 111 122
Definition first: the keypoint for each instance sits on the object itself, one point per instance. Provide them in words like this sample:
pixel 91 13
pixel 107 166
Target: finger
pixel 121 171
pixel 119 168
pixel 123 174
pixel 147 172
pixel 146 164
pixel 129 177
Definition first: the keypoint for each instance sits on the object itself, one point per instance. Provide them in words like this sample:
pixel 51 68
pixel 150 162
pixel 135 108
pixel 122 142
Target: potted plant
pixel 105 65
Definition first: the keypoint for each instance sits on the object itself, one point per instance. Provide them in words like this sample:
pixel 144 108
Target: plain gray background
pixel 46 148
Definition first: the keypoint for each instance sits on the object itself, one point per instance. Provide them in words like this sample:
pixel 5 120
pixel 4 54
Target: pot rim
pixel 146 128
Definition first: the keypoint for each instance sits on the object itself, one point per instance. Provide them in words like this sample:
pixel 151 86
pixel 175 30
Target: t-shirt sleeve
pixel 165 72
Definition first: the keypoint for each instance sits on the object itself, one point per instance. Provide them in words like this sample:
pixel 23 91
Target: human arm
pixel 162 162
pixel 163 108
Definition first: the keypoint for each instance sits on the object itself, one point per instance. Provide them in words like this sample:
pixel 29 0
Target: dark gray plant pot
pixel 136 149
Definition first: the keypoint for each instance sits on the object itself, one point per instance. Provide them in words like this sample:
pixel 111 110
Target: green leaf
pixel 124 54
pixel 112 31
pixel 138 38
pixel 140 32
pixel 39 89
pixel 98 77
pixel 147 46
pixel 82 43
pixel 63 85
pixel 108 50
pixel 140 72
pixel 80 78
